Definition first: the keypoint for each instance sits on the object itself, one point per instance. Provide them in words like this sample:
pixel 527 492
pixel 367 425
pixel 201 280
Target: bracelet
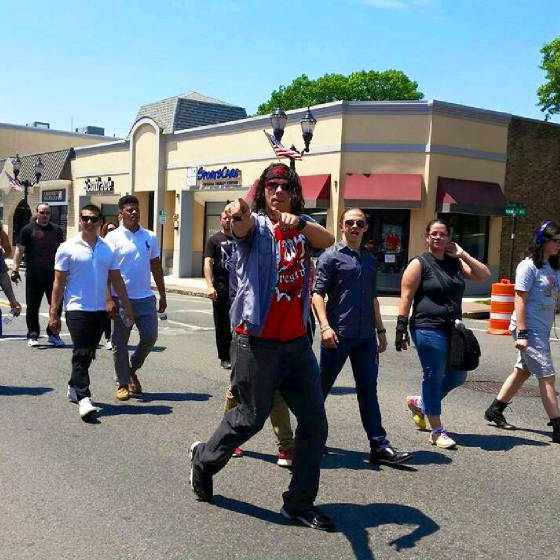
pixel 381 331
pixel 325 329
pixel 522 334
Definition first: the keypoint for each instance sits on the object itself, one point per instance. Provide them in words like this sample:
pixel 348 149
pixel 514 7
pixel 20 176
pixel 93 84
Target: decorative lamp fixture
pixel 278 120
pixel 307 127
pixel 39 167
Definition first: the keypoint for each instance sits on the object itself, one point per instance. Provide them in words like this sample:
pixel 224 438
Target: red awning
pixel 470 197
pixel 383 190
pixel 316 190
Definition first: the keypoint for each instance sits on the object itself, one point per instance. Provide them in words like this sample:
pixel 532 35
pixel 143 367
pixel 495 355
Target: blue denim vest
pixel 257 275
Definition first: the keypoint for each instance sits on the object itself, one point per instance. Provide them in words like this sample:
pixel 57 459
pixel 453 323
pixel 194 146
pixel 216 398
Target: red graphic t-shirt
pixel 285 315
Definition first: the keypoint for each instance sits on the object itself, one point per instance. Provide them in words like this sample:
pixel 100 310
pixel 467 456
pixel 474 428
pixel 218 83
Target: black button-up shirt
pixel 349 280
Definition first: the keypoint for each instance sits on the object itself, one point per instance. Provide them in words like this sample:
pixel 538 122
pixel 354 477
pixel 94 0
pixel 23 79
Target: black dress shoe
pixel 312 517
pixel 225 364
pixel 389 456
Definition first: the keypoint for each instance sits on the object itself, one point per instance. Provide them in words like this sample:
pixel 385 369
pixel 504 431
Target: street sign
pixel 162 217
pixel 516 210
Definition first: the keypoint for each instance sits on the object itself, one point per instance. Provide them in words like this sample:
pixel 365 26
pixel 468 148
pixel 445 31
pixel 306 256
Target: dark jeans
pixel 37 284
pixel 221 323
pixel 365 367
pixel 259 367
pixel 107 327
pixel 85 329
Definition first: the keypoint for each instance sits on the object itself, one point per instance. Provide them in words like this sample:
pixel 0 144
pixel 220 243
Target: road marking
pixel 192 327
pixel 204 311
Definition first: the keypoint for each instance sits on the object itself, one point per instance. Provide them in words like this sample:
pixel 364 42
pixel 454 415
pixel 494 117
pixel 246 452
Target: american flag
pixel 13 183
pixel 280 150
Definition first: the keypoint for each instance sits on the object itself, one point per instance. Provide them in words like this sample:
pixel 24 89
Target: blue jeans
pixel 365 367
pixel 432 346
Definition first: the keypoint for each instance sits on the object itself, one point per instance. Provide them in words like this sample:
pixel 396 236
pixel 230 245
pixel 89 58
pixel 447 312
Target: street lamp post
pixel 38 168
pixel 278 120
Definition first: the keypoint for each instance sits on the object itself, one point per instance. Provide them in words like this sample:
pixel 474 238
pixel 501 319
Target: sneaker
pixel 226 364
pixel 441 439
pixel 108 345
pixel 201 483
pixel 134 386
pixel 86 408
pixel 123 393
pixel 285 457
pixel 388 456
pixel 72 395
pixel 312 517
pixel 237 452
pixel 32 341
pixel 55 340
pixel 413 403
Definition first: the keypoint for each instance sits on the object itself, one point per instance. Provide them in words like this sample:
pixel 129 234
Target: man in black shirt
pixel 39 240
pixel 217 254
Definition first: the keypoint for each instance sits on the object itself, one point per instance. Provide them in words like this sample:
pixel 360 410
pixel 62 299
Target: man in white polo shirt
pixel 137 254
pixel 83 264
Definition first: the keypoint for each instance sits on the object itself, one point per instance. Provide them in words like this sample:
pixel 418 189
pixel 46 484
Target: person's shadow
pixel 353 521
pixel 11 391
pixel 119 409
pixel 499 442
pixel 342 391
pixel 178 397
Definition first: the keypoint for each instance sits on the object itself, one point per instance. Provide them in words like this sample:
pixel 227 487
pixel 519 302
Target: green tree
pixel 549 92
pixel 358 86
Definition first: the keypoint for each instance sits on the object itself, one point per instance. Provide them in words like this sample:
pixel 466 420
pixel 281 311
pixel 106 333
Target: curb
pixel 476 314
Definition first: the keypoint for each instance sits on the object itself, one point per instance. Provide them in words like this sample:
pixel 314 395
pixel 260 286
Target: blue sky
pixel 97 62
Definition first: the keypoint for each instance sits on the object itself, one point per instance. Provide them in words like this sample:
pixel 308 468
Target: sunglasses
pixel 92 219
pixel 273 185
pixel 358 223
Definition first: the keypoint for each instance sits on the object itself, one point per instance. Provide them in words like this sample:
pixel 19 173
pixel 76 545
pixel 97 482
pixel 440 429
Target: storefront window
pixel 387 240
pixel 470 232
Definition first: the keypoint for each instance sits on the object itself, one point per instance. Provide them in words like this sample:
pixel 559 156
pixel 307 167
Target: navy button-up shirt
pixel 349 280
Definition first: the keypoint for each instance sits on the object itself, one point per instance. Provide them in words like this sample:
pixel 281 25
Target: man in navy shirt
pixel 351 326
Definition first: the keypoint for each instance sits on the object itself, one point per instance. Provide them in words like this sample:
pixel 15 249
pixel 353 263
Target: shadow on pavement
pixel 494 442
pixel 116 410
pixel 343 391
pixel 337 458
pixel 429 458
pixel 10 391
pixel 149 397
pixel 132 347
pixel 351 520
pixel 261 456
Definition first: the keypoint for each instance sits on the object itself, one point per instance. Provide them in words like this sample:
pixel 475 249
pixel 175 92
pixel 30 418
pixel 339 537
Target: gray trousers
pixel 145 319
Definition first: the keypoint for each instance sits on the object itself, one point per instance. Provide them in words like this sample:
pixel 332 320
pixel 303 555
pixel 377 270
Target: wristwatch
pixel 302 222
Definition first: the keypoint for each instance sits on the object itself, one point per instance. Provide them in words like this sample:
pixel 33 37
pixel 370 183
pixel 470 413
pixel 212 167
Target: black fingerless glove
pixel 401 336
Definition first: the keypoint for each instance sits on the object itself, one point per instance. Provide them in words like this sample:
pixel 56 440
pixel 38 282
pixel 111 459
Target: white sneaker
pixel 32 342
pixel 108 345
pixel 55 340
pixel 72 395
pixel 86 409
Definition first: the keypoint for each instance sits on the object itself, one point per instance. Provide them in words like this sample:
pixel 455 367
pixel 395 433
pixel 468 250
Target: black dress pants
pixel 85 329
pixel 38 283
pixel 221 323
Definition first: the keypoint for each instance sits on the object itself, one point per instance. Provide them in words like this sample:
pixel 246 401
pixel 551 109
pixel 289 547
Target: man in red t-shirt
pixel 270 349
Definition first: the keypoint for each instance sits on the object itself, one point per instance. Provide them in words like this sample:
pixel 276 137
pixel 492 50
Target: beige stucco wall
pixel 28 140
pixel 145 158
pixel 386 129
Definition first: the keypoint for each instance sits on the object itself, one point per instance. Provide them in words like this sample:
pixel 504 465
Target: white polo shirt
pixel 88 270
pixel 134 251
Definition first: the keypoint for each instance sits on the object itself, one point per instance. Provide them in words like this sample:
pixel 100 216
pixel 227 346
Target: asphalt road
pixel 117 489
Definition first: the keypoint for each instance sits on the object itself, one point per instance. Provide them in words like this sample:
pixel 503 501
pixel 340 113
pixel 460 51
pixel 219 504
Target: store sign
pixel 516 210
pixel 225 177
pixel 99 186
pixel 57 195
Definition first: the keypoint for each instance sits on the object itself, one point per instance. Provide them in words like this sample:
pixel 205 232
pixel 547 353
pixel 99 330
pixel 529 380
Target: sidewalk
pixel 388 304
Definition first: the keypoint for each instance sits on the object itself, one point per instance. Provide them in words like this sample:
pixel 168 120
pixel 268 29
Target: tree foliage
pixel 549 92
pixel 358 86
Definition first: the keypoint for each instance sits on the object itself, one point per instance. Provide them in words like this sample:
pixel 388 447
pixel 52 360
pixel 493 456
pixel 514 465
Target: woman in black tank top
pixel 433 284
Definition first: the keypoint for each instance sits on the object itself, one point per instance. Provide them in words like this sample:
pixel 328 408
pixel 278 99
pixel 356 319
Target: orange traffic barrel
pixel 501 307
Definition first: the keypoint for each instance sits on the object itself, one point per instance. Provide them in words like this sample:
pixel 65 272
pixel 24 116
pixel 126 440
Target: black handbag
pixel 464 350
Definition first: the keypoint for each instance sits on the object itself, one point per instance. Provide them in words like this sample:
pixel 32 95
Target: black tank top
pixel 432 300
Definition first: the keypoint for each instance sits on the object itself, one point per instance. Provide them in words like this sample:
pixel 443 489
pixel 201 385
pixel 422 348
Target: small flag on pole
pixel 13 183
pixel 280 150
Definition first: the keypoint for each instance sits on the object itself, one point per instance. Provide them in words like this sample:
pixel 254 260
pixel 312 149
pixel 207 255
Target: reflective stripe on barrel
pixel 501 307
